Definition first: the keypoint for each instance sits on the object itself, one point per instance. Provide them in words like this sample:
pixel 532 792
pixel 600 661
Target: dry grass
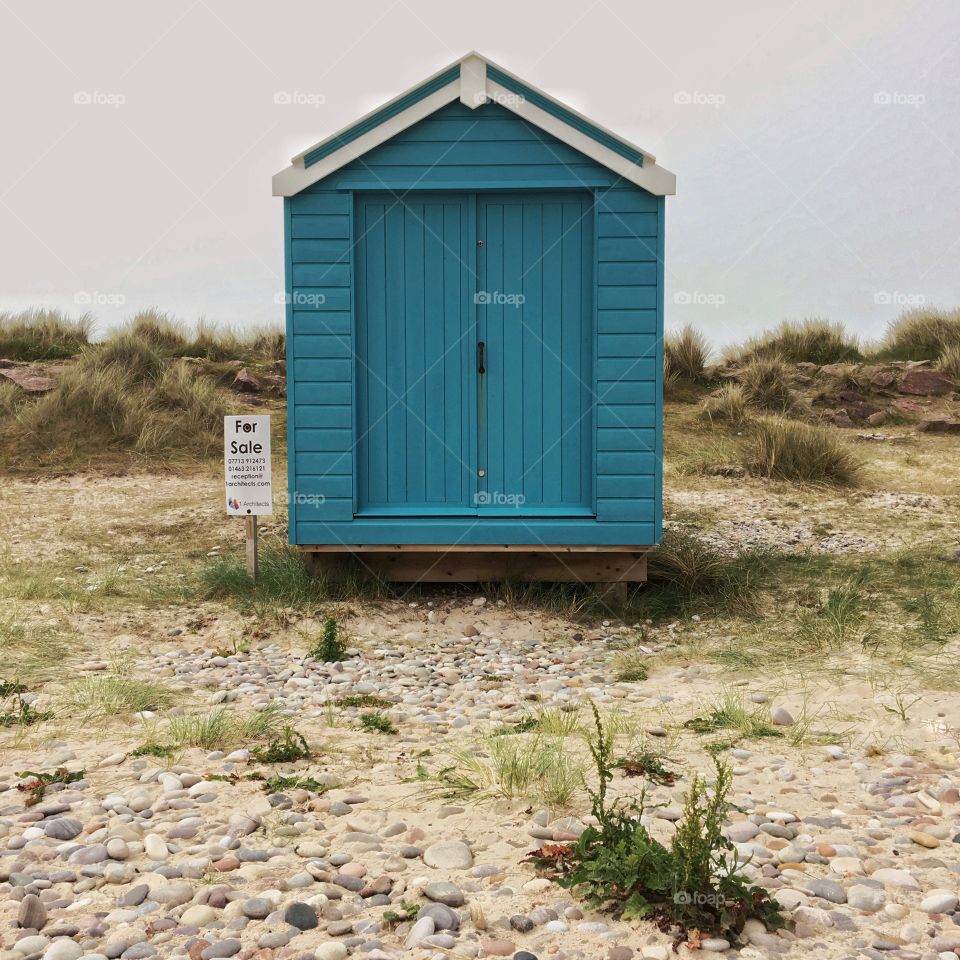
pixel 766 383
pixel 950 362
pixel 781 449
pixel 221 729
pixel 102 696
pixel 170 337
pixel 923 333
pixel 40 334
pixel 813 340
pixel 126 395
pixel 729 405
pixel 685 356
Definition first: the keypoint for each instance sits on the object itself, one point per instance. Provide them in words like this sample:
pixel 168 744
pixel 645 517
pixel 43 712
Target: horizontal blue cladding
pixel 621 488
pixel 317 200
pixel 380 116
pixel 628 346
pixel 472 151
pixel 627 321
pixel 329 346
pixel 311 321
pixel 460 148
pixel 321 465
pixel 567 116
pixel 623 438
pixel 616 249
pixel 614 369
pixel 627 225
pixel 324 510
pixel 626 298
pixel 321 274
pixel 627 274
pixel 330 486
pixel 327 414
pixel 624 462
pixel 635 511
pixel 321 370
pixel 319 393
pixel 474 532
pixel 320 440
pixel 322 227
pixel 631 415
pixel 627 391
pixel 626 199
pixel 322 298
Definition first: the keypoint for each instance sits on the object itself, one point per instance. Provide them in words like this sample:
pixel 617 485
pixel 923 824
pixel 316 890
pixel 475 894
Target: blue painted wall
pixel 468 153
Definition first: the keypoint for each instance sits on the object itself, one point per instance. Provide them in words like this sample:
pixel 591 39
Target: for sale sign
pixel 246 462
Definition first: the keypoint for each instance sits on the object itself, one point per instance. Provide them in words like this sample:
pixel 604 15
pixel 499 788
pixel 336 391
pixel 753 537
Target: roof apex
pixel 475 80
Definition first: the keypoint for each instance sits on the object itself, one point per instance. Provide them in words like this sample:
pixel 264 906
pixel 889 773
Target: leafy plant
pixel 401 913
pixel 163 750
pixel 37 783
pixel 330 647
pixel 287 748
pixel 378 723
pixel 731 713
pixel 363 700
pixel 648 765
pixel 278 784
pixel 692 885
pixel 18 712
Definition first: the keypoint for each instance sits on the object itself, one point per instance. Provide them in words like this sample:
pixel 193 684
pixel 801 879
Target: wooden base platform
pixel 435 563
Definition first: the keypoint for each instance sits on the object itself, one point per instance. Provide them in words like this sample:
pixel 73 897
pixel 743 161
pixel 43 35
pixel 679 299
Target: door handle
pixel 480 351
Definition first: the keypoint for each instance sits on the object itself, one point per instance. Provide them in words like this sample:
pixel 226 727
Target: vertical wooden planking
pixel 530 316
pixel 551 375
pixel 395 354
pixel 435 331
pixel 570 375
pixel 288 343
pixel 412 398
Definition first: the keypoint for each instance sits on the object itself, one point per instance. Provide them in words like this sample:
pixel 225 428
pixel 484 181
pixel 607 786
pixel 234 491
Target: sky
pixel 816 143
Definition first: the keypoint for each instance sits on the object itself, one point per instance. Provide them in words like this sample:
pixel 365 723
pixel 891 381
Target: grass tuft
pixel 112 696
pixel 731 713
pixel 922 334
pixel 685 355
pixel 221 729
pixel 40 334
pixel 813 340
pixel 728 405
pixel 766 383
pixel 780 449
pixel 949 362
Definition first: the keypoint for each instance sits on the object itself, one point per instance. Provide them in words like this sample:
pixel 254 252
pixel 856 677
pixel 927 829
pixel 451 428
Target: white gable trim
pixel 474 88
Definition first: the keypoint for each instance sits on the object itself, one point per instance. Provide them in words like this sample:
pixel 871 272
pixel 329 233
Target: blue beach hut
pixel 474 280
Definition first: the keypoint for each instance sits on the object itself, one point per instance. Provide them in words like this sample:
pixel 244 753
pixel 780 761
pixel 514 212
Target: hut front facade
pixel 474 279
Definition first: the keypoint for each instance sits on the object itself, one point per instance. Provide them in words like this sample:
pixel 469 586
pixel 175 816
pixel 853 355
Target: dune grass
pixel 103 695
pixel 766 384
pixel 209 341
pixel 949 362
pixel 801 453
pixel 729 713
pixel 923 333
pixel 813 340
pixel 528 767
pixel 685 355
pixel 728 405
pixel 221 729
pixel 40 334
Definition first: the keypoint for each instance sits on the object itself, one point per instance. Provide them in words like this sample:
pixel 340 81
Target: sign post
pixel 248 475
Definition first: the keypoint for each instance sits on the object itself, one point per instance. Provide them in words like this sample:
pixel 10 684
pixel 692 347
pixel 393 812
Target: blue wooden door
pixel 441 428
pixel 535 396
pixel 415 373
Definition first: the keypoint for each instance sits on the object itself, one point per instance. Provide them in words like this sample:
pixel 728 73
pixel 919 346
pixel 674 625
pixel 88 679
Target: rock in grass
pixel 781 717
pixel 448 855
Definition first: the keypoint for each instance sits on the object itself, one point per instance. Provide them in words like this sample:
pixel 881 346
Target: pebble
pixel 300 915
pixel 448 855
pixel 443 892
